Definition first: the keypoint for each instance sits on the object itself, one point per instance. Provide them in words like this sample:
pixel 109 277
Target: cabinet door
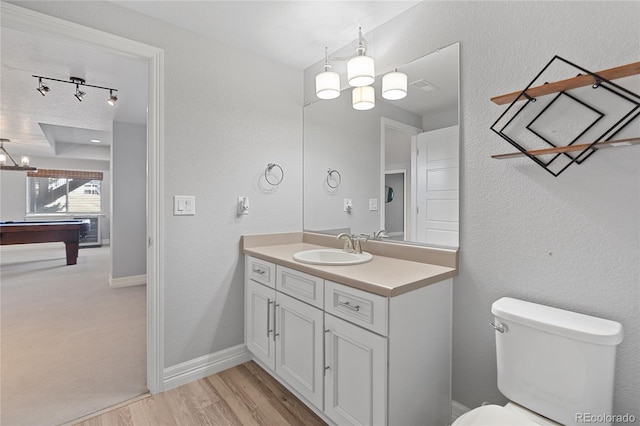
pixel 260 319
pixel 356 374
pixel 299 337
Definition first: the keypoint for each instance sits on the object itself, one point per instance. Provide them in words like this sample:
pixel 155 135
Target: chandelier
pixel 361 75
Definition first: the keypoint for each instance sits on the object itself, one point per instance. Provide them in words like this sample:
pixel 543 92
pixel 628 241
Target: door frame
pixel 406 200
pixel 32 22
pixel 388 123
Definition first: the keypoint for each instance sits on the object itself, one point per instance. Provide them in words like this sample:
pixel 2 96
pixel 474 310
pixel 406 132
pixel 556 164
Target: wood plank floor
pixel 243 395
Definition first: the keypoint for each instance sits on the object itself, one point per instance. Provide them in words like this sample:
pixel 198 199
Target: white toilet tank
pixel 557 363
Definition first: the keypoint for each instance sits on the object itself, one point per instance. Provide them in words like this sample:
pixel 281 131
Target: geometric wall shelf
pixel 564 122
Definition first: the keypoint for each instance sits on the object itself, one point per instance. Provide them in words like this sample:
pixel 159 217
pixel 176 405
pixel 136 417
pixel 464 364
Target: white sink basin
pixel 331 257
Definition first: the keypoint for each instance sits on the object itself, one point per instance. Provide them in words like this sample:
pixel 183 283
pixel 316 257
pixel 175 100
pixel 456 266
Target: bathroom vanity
pixel 360 344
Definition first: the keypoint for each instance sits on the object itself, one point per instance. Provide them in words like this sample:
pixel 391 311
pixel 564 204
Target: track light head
pixel 79 94
pixel 42 88
pixel 112 98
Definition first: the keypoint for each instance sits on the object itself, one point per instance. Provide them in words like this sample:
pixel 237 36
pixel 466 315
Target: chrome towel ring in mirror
pixel 275 180
pixel 332 178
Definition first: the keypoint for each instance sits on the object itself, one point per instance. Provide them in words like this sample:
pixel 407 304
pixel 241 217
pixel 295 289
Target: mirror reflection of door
pixel 437 187
pixel 394 207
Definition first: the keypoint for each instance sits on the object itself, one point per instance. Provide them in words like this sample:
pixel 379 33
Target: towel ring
pixel 270 166
pixel 330 177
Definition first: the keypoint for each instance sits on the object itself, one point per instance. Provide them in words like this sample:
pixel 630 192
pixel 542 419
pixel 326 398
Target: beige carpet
pixel 70 344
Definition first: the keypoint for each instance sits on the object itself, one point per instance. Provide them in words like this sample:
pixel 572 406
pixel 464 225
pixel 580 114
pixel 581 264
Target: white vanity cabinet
pixel 355 385
pixel 355 357
pixel 285 334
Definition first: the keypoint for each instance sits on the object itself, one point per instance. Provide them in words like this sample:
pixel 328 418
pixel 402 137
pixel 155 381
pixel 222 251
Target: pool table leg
pixel 72 252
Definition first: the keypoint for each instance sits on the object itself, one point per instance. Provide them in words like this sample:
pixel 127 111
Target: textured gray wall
pixel 228 113
pixel 513 213
pixel 129 200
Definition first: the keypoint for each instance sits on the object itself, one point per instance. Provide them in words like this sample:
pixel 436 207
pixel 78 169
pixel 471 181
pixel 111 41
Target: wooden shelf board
pixel 571 83
pixel 570 148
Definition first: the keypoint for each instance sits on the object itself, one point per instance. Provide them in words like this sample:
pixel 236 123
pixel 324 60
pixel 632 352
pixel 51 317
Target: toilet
pixel 555 366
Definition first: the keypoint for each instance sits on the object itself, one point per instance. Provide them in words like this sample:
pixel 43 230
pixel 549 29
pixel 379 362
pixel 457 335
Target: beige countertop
pixel 386 276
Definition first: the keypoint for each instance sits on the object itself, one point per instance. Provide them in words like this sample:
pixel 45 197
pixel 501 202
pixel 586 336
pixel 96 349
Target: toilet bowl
pixel 552 364
pixel 496 415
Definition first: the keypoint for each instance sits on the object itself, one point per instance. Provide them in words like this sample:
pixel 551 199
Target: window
pixel 63 191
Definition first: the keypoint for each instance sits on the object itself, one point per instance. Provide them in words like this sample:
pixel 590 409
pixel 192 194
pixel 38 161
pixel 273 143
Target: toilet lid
pixel 492 415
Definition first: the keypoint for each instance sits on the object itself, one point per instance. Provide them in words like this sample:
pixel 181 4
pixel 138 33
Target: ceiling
pixel 290 32
pixel 41 125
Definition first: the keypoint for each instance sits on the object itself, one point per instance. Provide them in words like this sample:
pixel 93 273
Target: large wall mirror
pixel 394 167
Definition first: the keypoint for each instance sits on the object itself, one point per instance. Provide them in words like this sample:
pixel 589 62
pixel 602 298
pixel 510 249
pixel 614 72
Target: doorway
pixel 395 204
pixel 30 22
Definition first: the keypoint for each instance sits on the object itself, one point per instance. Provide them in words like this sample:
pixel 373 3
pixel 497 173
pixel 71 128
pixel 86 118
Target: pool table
pixel 68 231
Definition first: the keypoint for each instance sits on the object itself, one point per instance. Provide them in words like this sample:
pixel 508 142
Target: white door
pixel 355 375
pixel 437 187
pixel 260 317
pixel 299 337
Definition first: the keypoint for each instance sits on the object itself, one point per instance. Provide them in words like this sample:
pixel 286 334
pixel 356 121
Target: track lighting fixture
pixel 79 93
pixel 112 98
pixel 4 155
pixel 42 88
pixel 77 81
pixel 360 75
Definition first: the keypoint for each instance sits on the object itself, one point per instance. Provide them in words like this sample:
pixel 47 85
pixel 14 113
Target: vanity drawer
pixel 359 307
pixel 261 271
pixel 300 285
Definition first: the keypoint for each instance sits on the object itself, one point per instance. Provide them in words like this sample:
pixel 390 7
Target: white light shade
pixel 363 98
pixel 3 159
pixel 328 85
pixel 394 86
pixel 24 161
pixel 361 71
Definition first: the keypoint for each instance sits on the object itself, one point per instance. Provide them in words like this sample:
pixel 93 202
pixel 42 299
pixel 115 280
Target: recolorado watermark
pixel 605 418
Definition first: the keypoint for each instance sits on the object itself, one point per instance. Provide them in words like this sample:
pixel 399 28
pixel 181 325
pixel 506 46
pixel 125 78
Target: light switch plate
pixel 184 205
pixel 373 204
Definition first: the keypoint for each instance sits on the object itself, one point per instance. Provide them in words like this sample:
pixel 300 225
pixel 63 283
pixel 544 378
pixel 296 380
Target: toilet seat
pixel 496 415
pixel 492 415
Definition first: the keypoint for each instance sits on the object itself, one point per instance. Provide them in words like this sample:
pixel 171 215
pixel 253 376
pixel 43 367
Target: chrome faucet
pixel 357 242
pixel 378 235
pixel 348 242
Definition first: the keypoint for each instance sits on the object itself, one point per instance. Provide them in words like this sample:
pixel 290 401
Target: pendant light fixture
pixel 394 85
pixel 327 82
pixel 361 68
pixel 363 98
pixel 361 76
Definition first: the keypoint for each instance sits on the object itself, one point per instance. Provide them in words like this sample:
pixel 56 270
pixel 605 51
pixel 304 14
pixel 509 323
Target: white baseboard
pixel 457 410
pixel 204 366
pixel 127 281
